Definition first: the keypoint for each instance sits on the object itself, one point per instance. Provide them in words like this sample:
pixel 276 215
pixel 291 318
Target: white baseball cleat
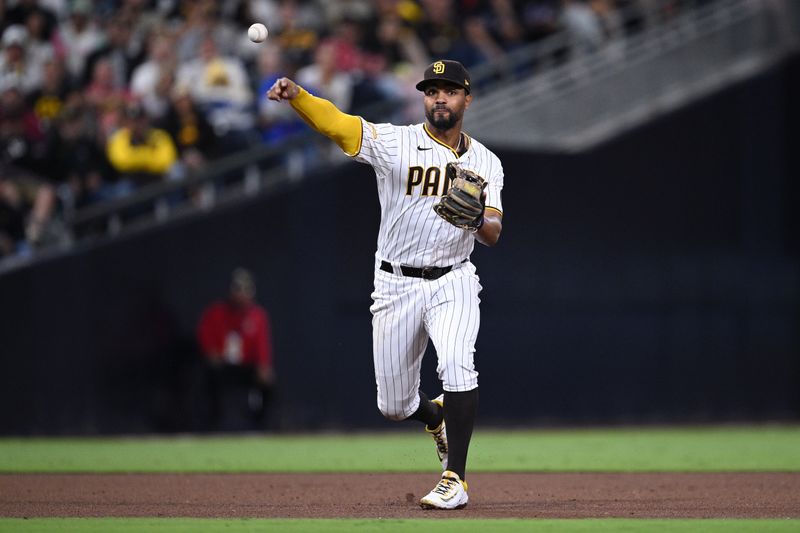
pixel 449 493
pixel 440 435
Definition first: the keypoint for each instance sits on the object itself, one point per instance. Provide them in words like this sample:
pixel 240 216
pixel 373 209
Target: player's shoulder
pixel 379 130
pixel 387 131
pixel 479 146
pixel 381 126
pixel 482 150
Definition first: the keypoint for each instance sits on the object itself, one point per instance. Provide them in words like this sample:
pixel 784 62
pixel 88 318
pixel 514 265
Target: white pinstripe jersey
pixel 410 165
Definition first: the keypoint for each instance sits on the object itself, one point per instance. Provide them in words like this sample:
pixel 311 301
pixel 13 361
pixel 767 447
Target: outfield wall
pixel 655 279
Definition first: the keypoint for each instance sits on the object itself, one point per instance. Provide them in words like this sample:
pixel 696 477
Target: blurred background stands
pixel 70 68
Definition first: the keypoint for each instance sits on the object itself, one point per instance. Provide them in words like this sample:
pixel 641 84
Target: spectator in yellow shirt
pixel 139 152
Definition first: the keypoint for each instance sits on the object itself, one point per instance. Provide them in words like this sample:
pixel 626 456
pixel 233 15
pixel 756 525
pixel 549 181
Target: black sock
pixel 427 412
pixel 459 416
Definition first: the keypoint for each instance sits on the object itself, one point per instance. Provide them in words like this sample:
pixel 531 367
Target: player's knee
pixel 458 373
pixel 394 408
pixel 392 414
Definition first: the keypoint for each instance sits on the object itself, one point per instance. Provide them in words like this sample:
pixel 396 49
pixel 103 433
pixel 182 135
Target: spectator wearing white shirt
pixel 80 36
pixel 221 87
pixel 582 25
pixel 324 79
pixel 16 66
pixel 151 81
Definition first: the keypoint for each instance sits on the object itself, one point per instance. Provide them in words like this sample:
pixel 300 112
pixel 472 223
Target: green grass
pixel 181 525
pixel 758 448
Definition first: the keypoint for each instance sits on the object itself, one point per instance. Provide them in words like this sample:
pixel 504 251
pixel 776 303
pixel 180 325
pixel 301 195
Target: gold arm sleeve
pixel 323 116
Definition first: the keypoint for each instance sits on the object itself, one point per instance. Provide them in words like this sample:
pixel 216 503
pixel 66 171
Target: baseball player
pixel 439 191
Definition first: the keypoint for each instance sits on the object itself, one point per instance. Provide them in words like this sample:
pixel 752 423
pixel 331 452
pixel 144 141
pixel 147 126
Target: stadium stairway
pixel 594 96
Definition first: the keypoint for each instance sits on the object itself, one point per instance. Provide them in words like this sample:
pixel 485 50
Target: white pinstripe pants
pixel 406 312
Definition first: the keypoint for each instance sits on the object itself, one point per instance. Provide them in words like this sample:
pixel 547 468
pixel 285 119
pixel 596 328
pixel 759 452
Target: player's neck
pixel 450 137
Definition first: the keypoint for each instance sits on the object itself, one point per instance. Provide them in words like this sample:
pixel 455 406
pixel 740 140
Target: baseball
pixel 257 32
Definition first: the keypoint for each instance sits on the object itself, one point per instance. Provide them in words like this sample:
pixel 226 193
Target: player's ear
pixel 468 101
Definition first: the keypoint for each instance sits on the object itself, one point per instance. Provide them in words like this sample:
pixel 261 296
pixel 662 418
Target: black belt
pixel 429 273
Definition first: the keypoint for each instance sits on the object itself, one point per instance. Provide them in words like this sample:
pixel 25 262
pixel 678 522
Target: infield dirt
pixel 551 495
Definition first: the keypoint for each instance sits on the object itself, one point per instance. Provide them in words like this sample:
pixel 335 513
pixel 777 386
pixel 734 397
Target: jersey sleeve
pixel 379 146
pixel 494 188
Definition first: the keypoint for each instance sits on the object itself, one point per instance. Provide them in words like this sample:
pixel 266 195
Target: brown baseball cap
pixel 446 70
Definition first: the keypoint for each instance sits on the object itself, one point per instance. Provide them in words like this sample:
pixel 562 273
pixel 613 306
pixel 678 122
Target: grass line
pixel 735 449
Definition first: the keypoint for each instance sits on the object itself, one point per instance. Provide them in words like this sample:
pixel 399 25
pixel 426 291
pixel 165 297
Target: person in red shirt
pixel 235 338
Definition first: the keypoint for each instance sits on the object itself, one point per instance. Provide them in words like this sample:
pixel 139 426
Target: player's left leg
pixel 452 321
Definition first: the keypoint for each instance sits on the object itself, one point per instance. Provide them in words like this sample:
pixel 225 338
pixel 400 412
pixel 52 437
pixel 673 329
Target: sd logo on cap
pixel 446 70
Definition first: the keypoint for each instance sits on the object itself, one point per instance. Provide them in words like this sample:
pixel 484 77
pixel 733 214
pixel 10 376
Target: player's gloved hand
pixel 464 203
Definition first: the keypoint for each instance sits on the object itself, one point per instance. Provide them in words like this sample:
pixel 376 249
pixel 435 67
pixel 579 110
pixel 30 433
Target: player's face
pixel 445 104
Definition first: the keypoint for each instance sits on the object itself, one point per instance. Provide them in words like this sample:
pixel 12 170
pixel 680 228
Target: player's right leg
pixel 399 340
pixel 431 413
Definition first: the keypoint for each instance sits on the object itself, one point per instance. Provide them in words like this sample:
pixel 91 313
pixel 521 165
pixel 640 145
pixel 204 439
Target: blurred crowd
pixel 98 98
